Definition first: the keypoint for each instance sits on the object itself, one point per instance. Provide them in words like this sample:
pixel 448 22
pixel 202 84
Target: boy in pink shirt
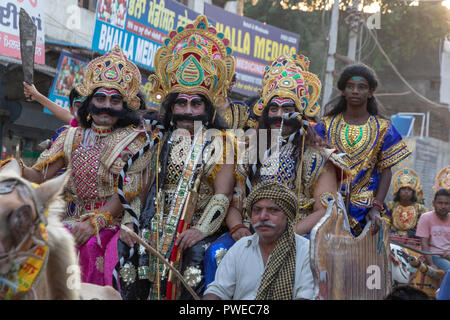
pixel 434 229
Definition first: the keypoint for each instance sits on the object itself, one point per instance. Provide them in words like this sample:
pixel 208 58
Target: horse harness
pixel 26 266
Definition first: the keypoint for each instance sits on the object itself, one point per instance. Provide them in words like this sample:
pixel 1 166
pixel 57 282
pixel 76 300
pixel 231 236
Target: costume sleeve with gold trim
pixel 393 150
pixel 314 161
pixel 69 138
pixel 219 152
pixel 343 171
pixel 387 214
pixel 213 215
pixel 137 176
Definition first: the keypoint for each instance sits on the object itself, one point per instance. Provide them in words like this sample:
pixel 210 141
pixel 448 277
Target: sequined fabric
pixel 368 148
pixel 85 165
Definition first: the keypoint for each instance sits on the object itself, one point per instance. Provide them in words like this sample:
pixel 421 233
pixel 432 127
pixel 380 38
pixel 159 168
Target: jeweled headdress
pixel 288 77
pixel 407 178
pixel 194 59
pixel 114 71
pixel 443 179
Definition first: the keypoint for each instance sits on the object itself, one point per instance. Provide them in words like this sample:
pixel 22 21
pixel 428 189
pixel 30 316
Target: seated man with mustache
pixel 273 263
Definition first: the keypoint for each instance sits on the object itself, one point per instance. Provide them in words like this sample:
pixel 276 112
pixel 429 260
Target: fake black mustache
pixel 287 122
pixel 181 117
pixel 112 112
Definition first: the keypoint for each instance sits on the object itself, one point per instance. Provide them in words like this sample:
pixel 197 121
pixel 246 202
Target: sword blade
pixel 28 33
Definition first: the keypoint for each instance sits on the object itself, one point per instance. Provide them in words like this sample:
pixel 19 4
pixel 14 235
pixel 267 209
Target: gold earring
pixel 88 117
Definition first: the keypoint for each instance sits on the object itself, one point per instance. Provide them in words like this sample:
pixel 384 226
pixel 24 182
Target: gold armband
pixel 214 214
pixel 99 220
pixel 327 197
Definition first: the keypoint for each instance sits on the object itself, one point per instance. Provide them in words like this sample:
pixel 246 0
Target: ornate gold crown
pixel 194 59
pixel 443 179
pixel 114 71
pixel 288 77
pixel 407 178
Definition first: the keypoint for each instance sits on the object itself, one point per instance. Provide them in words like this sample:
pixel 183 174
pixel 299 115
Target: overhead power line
pixel 400 75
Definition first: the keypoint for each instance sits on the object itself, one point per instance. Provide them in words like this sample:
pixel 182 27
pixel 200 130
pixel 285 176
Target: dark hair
pixel 166 107
pixel 130 118
pixel 442 192
pixel 73 95
pixel 251 101
pixel 397 195
pixel 407 292
pixel 142 105
pixel 339 104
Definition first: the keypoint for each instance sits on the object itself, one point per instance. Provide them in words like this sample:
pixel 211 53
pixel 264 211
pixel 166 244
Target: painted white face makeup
pixel 282 101
pixel 188 97
pixel 107 92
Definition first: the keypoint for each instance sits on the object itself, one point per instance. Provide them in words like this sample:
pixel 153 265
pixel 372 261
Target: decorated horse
pixel 409 268
pixel 37 253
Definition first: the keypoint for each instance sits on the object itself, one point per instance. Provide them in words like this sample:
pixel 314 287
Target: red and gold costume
pixel 404 218
pixel 95 156
pixel 288 77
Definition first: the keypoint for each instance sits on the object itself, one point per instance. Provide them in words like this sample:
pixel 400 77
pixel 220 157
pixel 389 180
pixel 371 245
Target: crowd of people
pixel 227 193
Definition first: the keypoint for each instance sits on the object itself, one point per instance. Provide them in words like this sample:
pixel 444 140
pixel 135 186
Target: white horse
pixel 401 269
pixel 408 269
pixel 37 254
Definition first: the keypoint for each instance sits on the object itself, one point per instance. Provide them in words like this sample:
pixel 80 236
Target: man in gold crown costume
pixel 404 211
pixel 193 72
pixel 296 159
pixel 95 152
pixel 289 99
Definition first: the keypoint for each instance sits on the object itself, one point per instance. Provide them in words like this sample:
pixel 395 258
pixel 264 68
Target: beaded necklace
pixel 101 131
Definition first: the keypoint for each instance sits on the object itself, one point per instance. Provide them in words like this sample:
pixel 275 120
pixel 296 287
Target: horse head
pixel 401 269
pixel 23 222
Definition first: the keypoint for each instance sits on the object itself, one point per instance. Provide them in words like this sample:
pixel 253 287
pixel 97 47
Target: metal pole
pixel 360 31
pixel 353 33
pixel 332 38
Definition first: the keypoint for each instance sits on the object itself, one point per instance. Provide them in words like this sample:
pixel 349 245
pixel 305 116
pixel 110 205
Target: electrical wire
pixel 394 68
pixel 61 26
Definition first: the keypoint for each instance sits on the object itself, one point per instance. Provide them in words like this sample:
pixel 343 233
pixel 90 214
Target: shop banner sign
pixel 9 27
pixel 70 73
pixel 254 45
pixel 138 26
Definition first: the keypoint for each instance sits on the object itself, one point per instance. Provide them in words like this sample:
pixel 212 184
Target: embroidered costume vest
pixel 284 167
pixel 95 166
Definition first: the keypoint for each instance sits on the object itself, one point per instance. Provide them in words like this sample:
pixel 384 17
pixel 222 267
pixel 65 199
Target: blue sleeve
pixel 320 130
pixel 393 150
